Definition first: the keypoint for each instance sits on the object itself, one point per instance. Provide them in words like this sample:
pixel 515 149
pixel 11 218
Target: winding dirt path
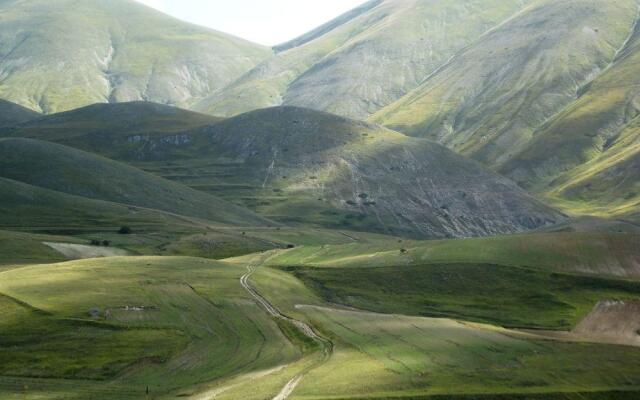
pixel 306 329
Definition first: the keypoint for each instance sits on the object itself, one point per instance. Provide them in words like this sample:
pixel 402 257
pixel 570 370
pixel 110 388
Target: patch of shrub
pixel 125 230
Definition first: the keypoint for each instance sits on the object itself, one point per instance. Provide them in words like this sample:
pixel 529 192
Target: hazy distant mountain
pixel 63 54
pixel 365 59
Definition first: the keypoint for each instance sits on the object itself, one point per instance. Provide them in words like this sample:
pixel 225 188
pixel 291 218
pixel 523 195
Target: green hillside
pixel 11 114
pixel 300 166
pixel 363 60
pixel 491 98
pixel 71 171
pixel 30 208
pixel 61 55
pixel 595 142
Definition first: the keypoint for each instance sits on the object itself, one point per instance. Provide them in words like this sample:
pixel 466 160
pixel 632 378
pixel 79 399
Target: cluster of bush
pixel 124 230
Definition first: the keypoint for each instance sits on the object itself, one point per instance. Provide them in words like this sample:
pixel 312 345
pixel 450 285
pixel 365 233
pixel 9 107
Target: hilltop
pixel 109 128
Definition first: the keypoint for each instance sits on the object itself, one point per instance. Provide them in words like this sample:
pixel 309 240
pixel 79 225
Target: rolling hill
pixel 490 99
pixel 363 60
pixel 63 169
pixel 57 56
pixel 30 208
pixel 299 166
pixel 110 129
pixel 12 114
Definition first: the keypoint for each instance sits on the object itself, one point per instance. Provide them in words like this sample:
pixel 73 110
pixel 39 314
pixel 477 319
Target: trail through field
pixel 306 329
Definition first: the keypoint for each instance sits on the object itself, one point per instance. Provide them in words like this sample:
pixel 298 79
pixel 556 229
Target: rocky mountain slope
pixel 491 98
pixel 589 154
pixel 365 59
pixel 63 54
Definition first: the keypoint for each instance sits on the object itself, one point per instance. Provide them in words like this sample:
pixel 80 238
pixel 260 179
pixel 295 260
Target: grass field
pixel 597 253
pixel 505 296
pixel 185 327
pixel 193 324
pixel 390 356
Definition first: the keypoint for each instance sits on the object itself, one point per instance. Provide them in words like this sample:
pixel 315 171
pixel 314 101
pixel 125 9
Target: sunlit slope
pixel 490 99
pixel 591 253
pixel 593 165
pixel 110 129
pixel 11 114
pixel 302 166
pixel 398 356
pixel 365 59
pixel 75 172
pixel 116 327
pixel 66 54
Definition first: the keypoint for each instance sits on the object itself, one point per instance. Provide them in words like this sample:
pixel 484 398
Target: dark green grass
pixel 507 296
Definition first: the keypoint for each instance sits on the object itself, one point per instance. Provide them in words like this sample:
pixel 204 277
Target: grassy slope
pixel 79 220
pixel 75 172
pixel 380 356
pixel 197 314
pixel 594 166
pixel 66 54
pixel 363 60
pixel 26 248
pixel 528 280
pixel 603 254
pixel 11 114
pixel 109 129
pixel 301 166
pixel 492 97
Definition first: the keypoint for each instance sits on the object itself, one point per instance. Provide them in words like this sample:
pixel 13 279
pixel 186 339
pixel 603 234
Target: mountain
pixel 302 166
pixel 101 127
pixel 11 114
pixel 490 99
pixel 63 169
pixel 57 56
pixel 588 156
pixel 365 59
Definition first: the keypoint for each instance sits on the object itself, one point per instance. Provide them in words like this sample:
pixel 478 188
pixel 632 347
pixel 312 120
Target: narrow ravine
pixel 306 329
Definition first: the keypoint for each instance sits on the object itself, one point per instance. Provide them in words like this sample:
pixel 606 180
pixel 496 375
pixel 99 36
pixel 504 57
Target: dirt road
pixel 306 329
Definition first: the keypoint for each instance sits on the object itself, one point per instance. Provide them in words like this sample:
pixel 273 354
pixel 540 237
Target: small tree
pixel 124 230
pixel 106 243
